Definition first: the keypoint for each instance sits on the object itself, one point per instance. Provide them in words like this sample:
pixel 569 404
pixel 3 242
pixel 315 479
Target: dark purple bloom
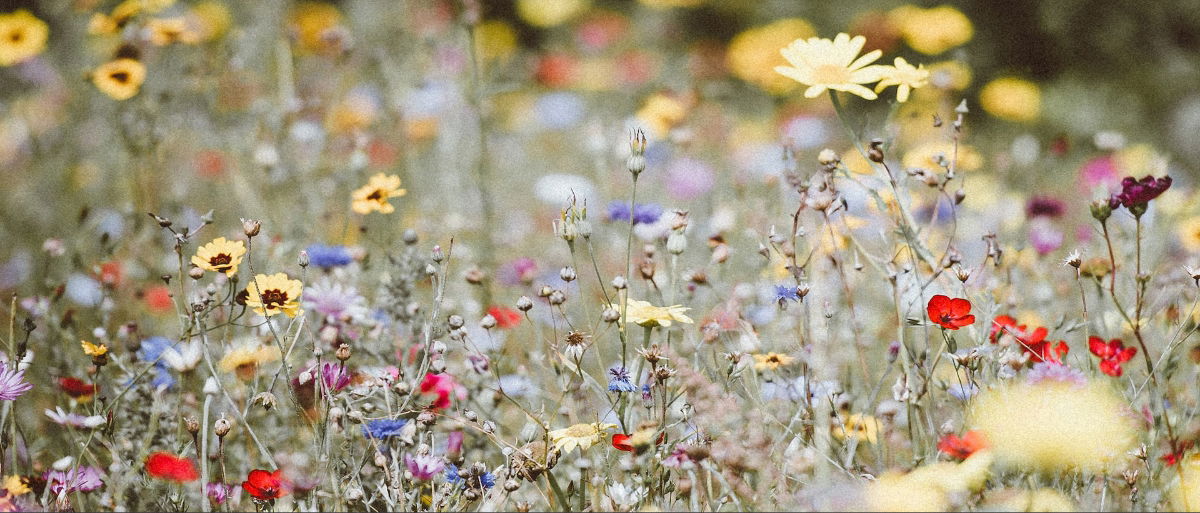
pixel 1044 206
pixel 1137 193
pixel 335 376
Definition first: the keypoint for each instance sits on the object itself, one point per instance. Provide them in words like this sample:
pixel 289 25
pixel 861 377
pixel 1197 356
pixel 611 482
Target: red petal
pixel 621 442
pixel 1097 346
pixel 965 320
pixel 959 307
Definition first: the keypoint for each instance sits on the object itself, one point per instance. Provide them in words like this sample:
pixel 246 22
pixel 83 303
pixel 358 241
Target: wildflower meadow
pixel 599 255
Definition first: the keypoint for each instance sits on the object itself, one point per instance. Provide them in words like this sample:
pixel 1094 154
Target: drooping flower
pixel 424 467
pixel 823 64
pixel 266 486
pixel 75 420
pixel 772 361
pixel 270 295
pixel 220 255
pixel 647 315
pixel 328 256
pixel 374 196
pixel 950 314
pixel 904 76
pixel 1112 354
pixel 961 448
pixel 12 383
pixel 172 468
pixel 22 37
pixel 582 436
pixel 120 79
pixel 619 380
pixel 384 428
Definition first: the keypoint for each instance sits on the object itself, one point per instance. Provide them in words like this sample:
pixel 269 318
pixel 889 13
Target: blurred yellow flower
pixel 548 13
pixel 1189 233
pixel 932 31
pixel 271 294
pixel 1040 500
pixel 823 64
pixel 311 23
pixel 120 79
pixel 22 37
pixel 220 255
pixel 1054 425
pixel 374 196
pixel 772 361
pixel 16 485
pixel 928 155
pixel 495 40
pixel 164 31
pixel 904 76
pixel 863 428
pixel 246 358
pixel 1011 99
pixel 1184 493
pixel 353 114
pixel 212 20
pixel 91 349
pixel 660 114
pixel 647 315
pixel 582 436
pixel 754 53
pixel 932 487
pixel 949 75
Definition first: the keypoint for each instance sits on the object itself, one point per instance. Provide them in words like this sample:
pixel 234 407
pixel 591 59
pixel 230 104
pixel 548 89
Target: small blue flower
pixel 153 347
pixel 643 213
pixel 328 257
pixel 620 380
pixel 487 480
pixel 452 473
pixel 785 293
pixel 383 428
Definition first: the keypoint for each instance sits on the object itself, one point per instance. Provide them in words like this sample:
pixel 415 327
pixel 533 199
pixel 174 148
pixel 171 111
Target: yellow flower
pixel 1011 99
pixel 772 361
pixel 212 20
pixel 495 40
pixel 932 31
pixel 15 485
pixel 822 64
pixel 929 487
pixel 753 54
pixel 1185 489
pixel 926 156
pixel 582 436
pixel 1054 426
pixel 647 315
pixel 1189 233
pixel 269 295
pixel 220 255
pixel 667 4
pixel 91 349
pixel 22 36
pixel 1042 499
pixel 548 13
pixel 164 31
pixel 863 428
pixel 373 197
pixel 904 76
pixel 246 358
pixel 951 75
pixel 311 22
pixel 660 114
pixel 120 79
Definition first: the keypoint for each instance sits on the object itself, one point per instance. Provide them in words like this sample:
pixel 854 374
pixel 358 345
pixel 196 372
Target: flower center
pixel 120 76
pixel 376 196
pixel 274 298
pixel 16 37
pixel 220 262
pixel 831 74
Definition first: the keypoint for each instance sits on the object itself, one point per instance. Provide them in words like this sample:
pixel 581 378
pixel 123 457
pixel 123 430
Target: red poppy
pixel 1041 350
pixel 949 313
pixel 266 486
pixel 1005 325
pixel 158 299
pixel 1112 354
pixel 962 448
pixel 443 385
pixel 166 466
pixel 77 388
pixel 505 317
pixel 621 442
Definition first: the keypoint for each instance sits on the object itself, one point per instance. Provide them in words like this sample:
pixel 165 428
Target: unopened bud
pixel 567 274
pixel 195 273
pixel 251 227
pixel 222 426
pixel 302 260
pixel 343 352
pixel 487 322
pixel 524 304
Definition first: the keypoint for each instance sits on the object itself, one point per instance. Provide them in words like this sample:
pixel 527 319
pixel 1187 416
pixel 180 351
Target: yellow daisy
pixel 91 349
pixel 16 485
pixel 246 358
pixel 220 255
pixel 1012 99
pixel 164 31
pixel 647 315
pixel 772 361
pixel 582 436
pixel 863 428
pixel 373 197
pixel 120 79
pixel 823 64
pixel 22 37
pixel 904 76
pixel 270 295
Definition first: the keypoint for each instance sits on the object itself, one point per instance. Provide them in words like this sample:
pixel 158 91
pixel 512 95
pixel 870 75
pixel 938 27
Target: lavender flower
pixel 218 493
pixel 81 479
pixel 619 382
pixel 1050 371
pixel 335 301
pixel 75 420
pixel 785 293
pixel 642 213
pixel 335 376
pixel 424 467
pixel 12 384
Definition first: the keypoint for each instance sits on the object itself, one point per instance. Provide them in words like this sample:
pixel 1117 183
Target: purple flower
pixel 335 376
pixel 518 271
pixel 1044 237
pixel 620 380
pixel 424 467
pixel 1044 206
pixel 12 383
pixel 1050 371
pixel 642 213
pixel 335 301
pixel 1137 193
pixel 678 459
pixel 82 479
pixel 785 293
pixel 454 442
pixel 218 493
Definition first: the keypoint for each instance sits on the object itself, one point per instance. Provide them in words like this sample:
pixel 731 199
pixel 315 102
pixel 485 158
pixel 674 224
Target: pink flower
pixel 442 385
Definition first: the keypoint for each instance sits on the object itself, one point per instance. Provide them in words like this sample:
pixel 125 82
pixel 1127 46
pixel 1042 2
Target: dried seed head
pixel 195 273
pixel 251 227
pixel 567 274
pixel 487 322
pixel 524 304
pixel 193 425
pixel 455 321
pixel 875 153
pixel 343 352
pixel 410 237
pixel 828 157
pixel 611 315
pixel 302 260
pixel 619 283
pixel 557 298
pixel 222 426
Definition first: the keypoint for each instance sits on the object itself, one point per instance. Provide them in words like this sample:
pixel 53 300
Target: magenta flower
pixel 424 467
pixel 218 493
pixel 335 376
pixel 12 384
pixel 1135 194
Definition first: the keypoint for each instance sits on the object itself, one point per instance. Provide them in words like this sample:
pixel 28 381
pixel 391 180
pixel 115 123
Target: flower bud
pixel 222 426
pixel 487 322
pixel 676 243
pixel 192 425
pixel 1101 210
pixel 343 352
pixel 455 321
pixel 302 260
pixel 567 274
pixel 195 273
pixel 524 304
pixel 611 315
pixel 619 283
pixel 828 157
pixel 251 227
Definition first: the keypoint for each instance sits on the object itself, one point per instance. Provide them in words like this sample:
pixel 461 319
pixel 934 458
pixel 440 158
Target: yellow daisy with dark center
pixel 374 196
pixel 22 37
pixel 120 79
pixel 271 294
pixel 220 255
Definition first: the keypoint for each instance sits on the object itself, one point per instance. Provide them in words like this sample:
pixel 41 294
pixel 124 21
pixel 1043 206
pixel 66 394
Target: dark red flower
pixel 1112 354
pixel 621 442
pixel 167 466
pixel 77 388
pixel 505 317
pixel 1044 206
pixel 1137 193
pixel 266 486
pixel 1042 350
pixel 962 448
pixel 949 313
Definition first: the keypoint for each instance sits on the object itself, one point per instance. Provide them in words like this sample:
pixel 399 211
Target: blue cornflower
pixel 151 350
pixel 383 428
pixel 785 293
pixel 487 480
pixel 643 213
pixel 620 380
pixel 452 473
pixel 328 257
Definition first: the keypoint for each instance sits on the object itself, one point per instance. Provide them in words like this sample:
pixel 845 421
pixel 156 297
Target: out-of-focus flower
pixel 495 40
pixel 1042 499
pixel 172 468
pixel 949 75
pixel 620 442
pixel 962 448
pixel 506 318
pixel 1052 371
pixel 1112 354
pixel 272 294
pixel 120 79
pixel 384 428
pixel 549 13
pixel 933 487
pixel 15 485
pixel 328 256
pixel 772 361
pixel 619 380
pixel 863 428
pixel 950 314
pixel 1184 493
pixel 22 37
pixel 667 4
pixel 823 64
pixel 312 23
pixel 582 436
pixel 77 479
pixel 645 314
pixel 220 255
pixel 212 20
pixel 642 213
pixel 443 386
pixel 1012 99
pixel 424 467
pixel 78 389
pixel 934 155
pixel 932 31
pixel 218 493
pixel 335 301
pixel 1054 426
pixel 246 358
pixel 12 383
pixel 75 420
pixel 753 54
pixel 374 196
pixel 266 486
pixel 165 31
pixel 904 76
pixel 660 113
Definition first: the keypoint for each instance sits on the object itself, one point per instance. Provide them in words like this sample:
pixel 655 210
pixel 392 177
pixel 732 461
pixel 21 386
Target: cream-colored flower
pixel 823 64
pixel 647 315
pixel 580 435
pixel 904 76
